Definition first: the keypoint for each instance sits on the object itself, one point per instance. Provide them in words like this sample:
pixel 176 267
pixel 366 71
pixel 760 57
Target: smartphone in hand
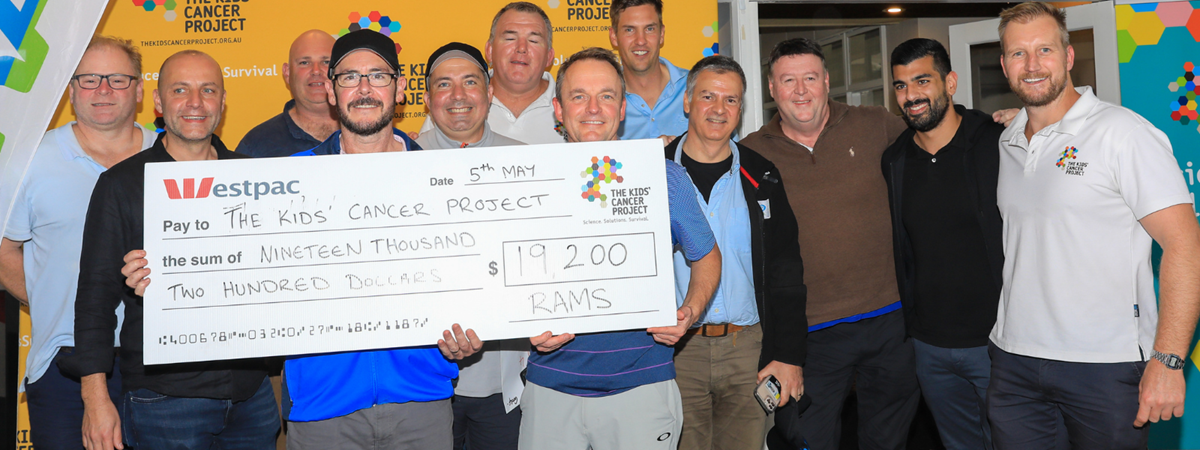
pixel 768 394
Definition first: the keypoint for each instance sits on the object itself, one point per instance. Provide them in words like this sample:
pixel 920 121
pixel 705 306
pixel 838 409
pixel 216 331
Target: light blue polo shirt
pixel 729 218
pixel 667 117
pixel 48 217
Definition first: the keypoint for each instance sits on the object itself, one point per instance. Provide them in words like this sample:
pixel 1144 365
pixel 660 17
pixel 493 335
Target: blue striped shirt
pixel 597 365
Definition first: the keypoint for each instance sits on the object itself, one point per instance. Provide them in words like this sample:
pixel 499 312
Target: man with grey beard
pixel 941 177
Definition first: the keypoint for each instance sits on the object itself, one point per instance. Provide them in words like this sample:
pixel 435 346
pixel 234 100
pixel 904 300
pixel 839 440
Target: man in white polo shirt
pixel 1084 186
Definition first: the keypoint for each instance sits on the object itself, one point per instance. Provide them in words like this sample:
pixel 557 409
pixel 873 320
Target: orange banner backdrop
pixel 250 39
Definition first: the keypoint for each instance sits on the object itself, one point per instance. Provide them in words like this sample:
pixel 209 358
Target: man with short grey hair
pixel 755 326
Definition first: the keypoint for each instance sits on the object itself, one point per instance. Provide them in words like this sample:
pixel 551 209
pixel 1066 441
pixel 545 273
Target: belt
pixel 715 330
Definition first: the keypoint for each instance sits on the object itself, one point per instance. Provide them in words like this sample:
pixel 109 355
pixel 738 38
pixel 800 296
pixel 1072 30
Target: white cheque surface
pixel 287 256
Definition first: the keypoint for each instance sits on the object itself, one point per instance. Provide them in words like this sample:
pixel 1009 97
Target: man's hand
pixel 547 342
pixel 684 318
pixel 667 139
pixel 459 345
pixel 1160 395
pixel 101 424
pixel 1005 116
pixel 135 272
pixel 791 380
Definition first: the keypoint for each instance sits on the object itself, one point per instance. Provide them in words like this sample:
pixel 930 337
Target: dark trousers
pixel 160 422
pixel 1031 401
pixel 873 356
pixel 56 409
pixel 482 424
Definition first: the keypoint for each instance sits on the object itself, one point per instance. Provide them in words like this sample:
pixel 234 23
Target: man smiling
pixel 655 86
pixel 307 119
pixel 520 47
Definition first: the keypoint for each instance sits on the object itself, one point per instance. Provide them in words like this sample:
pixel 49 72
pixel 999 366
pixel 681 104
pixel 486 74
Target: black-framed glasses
pixel 354 79
pixel 117 81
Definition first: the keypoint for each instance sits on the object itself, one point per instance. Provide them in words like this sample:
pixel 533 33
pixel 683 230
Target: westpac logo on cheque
pixel 245 188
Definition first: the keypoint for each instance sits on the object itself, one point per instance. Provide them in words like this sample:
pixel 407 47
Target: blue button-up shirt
pixel 729 218
pixel 667 117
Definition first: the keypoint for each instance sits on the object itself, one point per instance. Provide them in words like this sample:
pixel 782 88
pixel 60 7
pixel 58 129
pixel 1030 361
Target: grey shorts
pixel 647 417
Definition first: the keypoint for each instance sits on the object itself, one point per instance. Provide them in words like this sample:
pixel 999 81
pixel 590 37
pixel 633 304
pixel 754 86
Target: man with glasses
pixel 394 398
pixel 39 255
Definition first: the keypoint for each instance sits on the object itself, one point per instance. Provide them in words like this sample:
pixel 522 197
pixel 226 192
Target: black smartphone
pixel 768 393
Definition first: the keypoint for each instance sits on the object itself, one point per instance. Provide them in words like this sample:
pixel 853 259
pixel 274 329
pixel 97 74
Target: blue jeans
pixel 56 409
pixel 156 421
pixel 954 382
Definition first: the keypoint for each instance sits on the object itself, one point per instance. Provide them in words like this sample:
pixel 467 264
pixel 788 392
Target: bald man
pixel 221 404
pixel 307 119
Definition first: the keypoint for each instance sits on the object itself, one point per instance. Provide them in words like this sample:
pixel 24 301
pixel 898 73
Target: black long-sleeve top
pixel 113 228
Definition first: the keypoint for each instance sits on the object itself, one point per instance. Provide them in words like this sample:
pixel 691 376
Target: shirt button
pixel 935 160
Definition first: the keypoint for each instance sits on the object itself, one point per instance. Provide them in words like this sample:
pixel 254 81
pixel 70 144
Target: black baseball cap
pixel 364 39
pixel 456 50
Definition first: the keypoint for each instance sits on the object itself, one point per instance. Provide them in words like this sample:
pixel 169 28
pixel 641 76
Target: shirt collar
pixel 542 100
pixel 69 142
pixel 1071 123
pixel 292 126
pixel 444 141
pixel 732 146
pixel 335 141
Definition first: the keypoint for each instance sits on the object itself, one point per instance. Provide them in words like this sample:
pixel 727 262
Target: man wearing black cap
pixel 458 95
pixel 489 384
pixel 396 398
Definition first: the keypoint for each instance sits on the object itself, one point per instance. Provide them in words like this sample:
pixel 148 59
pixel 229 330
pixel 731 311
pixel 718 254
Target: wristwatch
pixel 1171 360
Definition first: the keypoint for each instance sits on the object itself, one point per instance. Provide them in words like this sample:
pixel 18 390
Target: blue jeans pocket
pixel 146 396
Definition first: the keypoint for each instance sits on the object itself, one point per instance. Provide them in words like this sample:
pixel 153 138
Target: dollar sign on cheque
pixel 492 268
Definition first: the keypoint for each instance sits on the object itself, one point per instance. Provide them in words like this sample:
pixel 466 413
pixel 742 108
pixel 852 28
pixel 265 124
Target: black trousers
pixel 872 355
pixel 1036 403
pixel 482 424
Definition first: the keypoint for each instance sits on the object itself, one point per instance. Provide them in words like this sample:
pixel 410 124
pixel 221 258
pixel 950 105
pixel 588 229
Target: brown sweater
pixel 840 200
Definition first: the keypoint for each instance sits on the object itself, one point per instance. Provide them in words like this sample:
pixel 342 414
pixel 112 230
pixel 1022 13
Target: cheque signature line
pixel 239 269
pixel 381 227
pixel 513 181
pixel 321 299
pixel 581 317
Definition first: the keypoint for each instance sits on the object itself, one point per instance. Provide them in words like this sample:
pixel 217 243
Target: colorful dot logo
pixel 385 25
pixel 1069 153
pixel 601 170
pixel 167 5
pixel 1183 108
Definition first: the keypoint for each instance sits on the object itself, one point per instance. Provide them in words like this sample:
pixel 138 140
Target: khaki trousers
pixel 717 377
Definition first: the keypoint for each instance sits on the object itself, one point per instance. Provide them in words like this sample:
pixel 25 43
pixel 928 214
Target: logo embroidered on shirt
pixel 1067 165
pixel 852 152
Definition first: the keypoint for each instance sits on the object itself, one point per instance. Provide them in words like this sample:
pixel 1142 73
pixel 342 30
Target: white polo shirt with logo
pixel 1077 279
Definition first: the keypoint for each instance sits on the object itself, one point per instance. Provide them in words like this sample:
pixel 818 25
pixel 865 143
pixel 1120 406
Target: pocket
pixel 146 396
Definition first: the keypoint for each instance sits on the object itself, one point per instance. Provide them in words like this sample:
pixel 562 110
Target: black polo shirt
pixel 954 295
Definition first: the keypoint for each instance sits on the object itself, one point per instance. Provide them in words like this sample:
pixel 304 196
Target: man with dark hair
pixel 941 176
pixel 307 119
pixel 654 86
pixel 754 327
pixel 829 154
pixel 486 415
pixel 394 398
pixel 1085 187
pixel 520 47
pixel 39 254
pixel 615 390
pixel 219 404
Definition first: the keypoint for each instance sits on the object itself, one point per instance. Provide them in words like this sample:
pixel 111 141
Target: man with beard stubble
pixel 1084 188
pixel 941 177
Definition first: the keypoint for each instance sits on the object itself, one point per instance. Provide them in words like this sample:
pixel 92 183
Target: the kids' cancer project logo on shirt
pixel 601 170
pixel 1066 162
